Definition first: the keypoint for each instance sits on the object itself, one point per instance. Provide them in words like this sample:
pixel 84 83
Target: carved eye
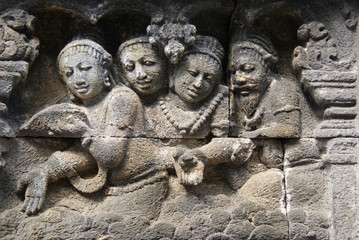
pixel 247 68
pixel 129 67
pixel 68 72
pixel 209 78
pixel 193 73
pixel 149 63
pixel 85 68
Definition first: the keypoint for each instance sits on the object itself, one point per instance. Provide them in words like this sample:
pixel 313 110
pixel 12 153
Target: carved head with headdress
pixel 252 57
pixel 199 71
pixel 143 65
pixel 84 67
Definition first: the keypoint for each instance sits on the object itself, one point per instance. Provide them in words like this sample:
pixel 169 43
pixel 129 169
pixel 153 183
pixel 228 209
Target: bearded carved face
pixel 249 79
pixel 249 75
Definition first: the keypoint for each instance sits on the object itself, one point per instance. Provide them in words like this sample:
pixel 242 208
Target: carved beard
pixel 248 104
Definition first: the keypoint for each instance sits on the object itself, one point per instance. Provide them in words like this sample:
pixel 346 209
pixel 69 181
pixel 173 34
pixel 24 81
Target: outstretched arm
pixel 190 165
pixel 60 164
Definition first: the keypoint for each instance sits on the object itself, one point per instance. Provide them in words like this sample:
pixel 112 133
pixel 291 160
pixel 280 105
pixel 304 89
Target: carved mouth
pixel 82 89
pixel 245 92
pixel 246 89
pixel 193 93
pixel 144 84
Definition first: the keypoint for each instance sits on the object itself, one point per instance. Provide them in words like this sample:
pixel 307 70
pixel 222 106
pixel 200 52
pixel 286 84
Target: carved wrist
pixel 55 168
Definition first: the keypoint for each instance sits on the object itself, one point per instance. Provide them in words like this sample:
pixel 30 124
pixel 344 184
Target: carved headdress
pixel 132 42
pixel 86 46
pixel 207 45
pixel 257 45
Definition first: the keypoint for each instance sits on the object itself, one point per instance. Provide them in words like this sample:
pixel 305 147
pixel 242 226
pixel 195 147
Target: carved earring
pixel 171 83
pixel 107 82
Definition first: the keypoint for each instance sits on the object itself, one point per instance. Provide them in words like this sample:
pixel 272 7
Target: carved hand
pixel 86 142
pixel 254 121
pixel 76 126
pixel 190 167
pixel 243 151
pixel 35 183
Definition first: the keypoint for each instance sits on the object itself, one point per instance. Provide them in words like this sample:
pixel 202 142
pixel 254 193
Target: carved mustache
pixel 143 81
pixel 246 87
pixel 82 86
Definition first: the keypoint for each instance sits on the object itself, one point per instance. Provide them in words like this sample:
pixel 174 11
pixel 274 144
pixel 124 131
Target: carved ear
pixel 72 97
pixel 107 81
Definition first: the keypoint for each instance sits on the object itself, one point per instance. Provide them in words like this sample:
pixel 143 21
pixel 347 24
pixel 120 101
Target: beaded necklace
pixel 191 126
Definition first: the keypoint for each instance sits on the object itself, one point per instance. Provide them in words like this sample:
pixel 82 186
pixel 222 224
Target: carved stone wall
pixel 179 120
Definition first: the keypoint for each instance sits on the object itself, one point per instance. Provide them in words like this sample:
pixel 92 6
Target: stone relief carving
pixel 180 133
pixel 18 50
pixel 265 104
pixel 174 36
pixel 84 68
pixel 144 68
pixel 315 63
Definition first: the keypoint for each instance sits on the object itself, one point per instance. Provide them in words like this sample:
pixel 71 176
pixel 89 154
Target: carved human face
pixel 249 74
pixel 83 74
pixel 196 77
pixel 144 69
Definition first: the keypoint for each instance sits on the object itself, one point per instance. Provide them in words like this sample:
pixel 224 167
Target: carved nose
pixel 199 81
pixel 79 80
pixel 240 79
pixel 140 73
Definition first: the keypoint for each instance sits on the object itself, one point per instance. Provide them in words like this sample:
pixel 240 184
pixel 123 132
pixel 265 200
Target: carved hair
pixel 249 42
pixel 203 45
pixel 207 45
pixel 131 42
pixel 86 46
pixel 92 48
pixel 139 40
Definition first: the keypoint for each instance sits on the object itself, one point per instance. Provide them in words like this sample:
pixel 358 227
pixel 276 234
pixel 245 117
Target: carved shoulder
pixel 124 110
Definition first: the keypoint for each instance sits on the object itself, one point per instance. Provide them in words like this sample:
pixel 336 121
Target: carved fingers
pixel 32 204
pixel 190 167
pixel 35 184
pixel 190 176
pixel 242 151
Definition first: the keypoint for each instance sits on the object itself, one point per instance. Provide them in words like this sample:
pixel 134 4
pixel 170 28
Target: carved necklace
pixel 194 123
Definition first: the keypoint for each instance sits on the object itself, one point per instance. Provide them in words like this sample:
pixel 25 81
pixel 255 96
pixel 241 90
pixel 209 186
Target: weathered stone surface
pixel 216 120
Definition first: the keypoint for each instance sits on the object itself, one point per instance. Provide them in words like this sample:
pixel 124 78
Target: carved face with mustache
pixel 249 78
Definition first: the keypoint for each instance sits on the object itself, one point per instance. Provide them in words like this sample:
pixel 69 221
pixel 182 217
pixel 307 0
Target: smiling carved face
pixel 83 75
pixel 143 68
pixel 196 77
